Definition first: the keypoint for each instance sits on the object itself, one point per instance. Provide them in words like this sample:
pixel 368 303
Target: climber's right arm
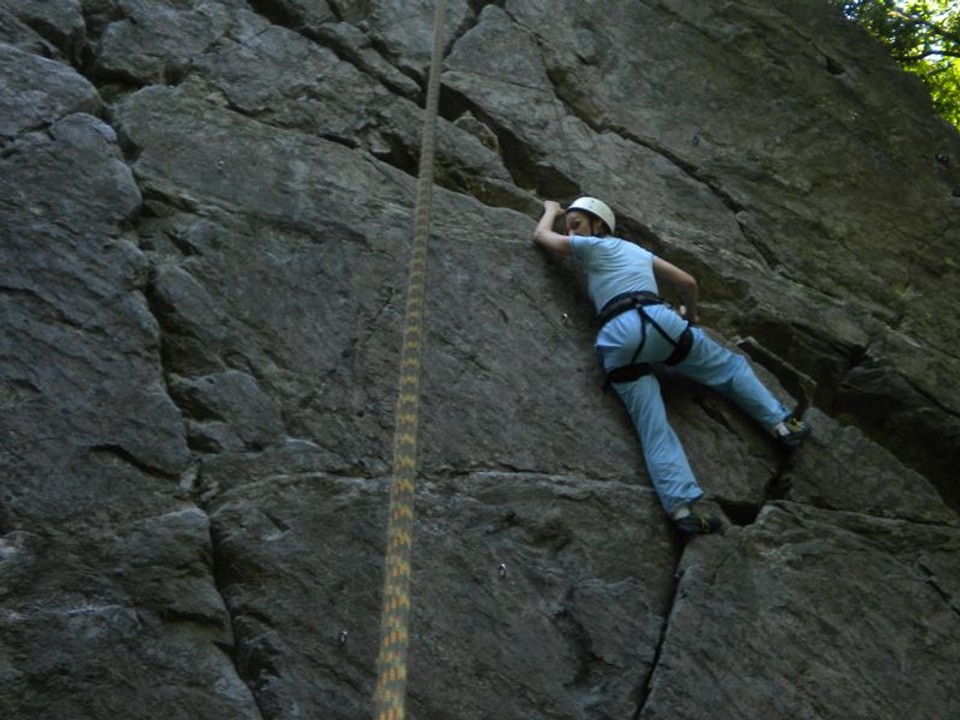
pixel 544 235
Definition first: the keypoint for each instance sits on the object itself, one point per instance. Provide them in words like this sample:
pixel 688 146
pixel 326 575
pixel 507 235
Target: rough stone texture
pixel 205 217
pixel 740 644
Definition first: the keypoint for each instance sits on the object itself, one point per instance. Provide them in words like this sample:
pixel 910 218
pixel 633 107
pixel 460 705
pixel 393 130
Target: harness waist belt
pixel 625 302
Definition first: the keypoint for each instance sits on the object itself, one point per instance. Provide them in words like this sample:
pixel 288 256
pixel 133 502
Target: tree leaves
pixel 924 37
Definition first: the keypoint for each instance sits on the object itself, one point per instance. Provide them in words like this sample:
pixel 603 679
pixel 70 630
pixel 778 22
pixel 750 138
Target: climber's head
pixel 585 215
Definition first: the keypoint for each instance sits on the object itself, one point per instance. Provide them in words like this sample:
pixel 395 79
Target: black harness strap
pixel 639 301
pixel 625 302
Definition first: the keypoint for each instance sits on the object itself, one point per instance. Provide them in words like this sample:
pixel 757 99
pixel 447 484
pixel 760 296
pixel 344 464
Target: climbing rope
pixel 391 688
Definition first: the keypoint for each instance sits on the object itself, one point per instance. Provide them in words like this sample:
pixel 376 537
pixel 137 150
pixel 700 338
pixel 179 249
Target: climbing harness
pixel 639 301
pixel 391 687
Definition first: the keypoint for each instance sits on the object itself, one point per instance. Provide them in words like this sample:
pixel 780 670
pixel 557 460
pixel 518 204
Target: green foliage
pixel 924 37
pixel 943 81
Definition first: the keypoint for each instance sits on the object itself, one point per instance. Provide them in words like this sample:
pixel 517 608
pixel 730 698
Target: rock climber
pixel 639 330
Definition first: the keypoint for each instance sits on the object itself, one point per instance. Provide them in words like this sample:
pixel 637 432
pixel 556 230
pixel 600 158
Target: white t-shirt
pixel 614 266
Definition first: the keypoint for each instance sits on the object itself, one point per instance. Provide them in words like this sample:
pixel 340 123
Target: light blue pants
pixel 708 363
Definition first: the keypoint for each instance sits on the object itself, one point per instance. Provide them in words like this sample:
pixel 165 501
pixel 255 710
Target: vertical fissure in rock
pixel 234 650
pixel 646 684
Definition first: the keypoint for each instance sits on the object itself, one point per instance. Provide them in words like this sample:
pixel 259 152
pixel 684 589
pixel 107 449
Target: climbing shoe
pixel 694 524
pixel 791 432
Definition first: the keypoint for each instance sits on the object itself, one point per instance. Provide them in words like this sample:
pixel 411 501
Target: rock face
pixel 205 220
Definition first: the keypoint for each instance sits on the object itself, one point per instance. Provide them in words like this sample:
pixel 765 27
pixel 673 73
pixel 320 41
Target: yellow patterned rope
pixel 391 688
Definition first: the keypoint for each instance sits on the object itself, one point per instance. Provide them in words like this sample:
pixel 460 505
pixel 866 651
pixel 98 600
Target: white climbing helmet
pixel 597 208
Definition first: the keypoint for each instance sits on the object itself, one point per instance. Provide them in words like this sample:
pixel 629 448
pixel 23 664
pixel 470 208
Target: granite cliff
pixel 205 218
